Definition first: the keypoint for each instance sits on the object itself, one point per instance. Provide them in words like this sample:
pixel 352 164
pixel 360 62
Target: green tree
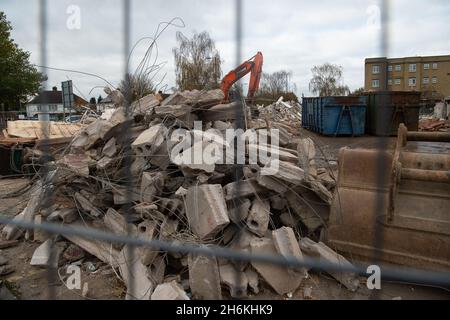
pixel 197 62
pixel 327 81
pixel 19 78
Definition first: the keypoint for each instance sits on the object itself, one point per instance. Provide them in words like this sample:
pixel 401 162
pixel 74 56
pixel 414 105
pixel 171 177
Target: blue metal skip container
pixel 334 115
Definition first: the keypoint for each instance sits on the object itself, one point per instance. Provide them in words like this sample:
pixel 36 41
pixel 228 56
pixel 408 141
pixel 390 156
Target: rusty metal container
pixel 387 109
pixel 400 196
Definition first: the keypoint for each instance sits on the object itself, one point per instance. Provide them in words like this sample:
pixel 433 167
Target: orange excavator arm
pixel 253 65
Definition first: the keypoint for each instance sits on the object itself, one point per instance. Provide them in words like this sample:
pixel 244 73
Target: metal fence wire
pixel 46 175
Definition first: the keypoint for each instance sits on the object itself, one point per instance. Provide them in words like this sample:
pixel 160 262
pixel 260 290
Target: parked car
pixel 73 119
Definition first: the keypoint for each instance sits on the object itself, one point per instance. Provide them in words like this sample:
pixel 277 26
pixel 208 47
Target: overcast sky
pixel 292 35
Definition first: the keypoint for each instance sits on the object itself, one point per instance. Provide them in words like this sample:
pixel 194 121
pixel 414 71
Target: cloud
pixel 293 35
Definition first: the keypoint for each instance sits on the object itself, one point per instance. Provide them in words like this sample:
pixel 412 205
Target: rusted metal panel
pixel 413 197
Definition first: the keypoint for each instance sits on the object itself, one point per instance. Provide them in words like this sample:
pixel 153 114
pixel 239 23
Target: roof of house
pixel 54 97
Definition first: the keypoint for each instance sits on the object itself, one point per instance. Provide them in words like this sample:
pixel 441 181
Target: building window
pixel 389 82
pixel 435 66
pixel 39 108
pixel 398 67
pixel 375 83
pixel 390 68
pixel 397 81
pixel 375 69
pixel 412 67
pixel 434 80
pixel 426 66
pixel 412 82
pixel 52 107
pixel 425 80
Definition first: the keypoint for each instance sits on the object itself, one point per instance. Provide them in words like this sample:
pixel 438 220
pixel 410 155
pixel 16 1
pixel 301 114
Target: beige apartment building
pixel 430 75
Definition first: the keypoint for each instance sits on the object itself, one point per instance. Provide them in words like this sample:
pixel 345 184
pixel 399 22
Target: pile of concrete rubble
pixel 118 175
pixel 286 114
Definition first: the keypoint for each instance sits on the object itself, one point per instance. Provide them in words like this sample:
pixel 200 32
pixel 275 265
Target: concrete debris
pixel 145 105
pixel 307 293
pixel 147 230
pixel 235 280
pixel 110 148
pixel 151 185
pixel 258 217
pixel 240 211
pixel 3 260
pixel 169 291
pixel 87 206
pixel 287 245
pixel 117 223
pixel 204 278
pixel 276 276
pixel 253 280
pixel 150 140
pixel 46 255
pixel 326 254
pixel 135 275
pixel 162 197
pixel 206 210
pixel 38 234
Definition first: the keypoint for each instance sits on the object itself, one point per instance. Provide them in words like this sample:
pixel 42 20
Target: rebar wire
pixel 415 276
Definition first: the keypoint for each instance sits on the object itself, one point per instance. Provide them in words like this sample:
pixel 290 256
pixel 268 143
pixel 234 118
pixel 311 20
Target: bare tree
pixel 136 86
pixel 326 81
pixel 276 84
pixel 197 62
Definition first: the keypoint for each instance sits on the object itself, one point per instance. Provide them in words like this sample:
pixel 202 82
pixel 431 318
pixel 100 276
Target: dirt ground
pixel 29 282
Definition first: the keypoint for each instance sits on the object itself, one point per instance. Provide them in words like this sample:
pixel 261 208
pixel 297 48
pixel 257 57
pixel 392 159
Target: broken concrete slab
pixel 195 98
pixel 152 184
pixel 221 112
pixel 168 229
pixel 325 253
pixel 238 211
pixel 147 230
pixel 235 280
pixel 150 140
pixel 46 255
pixel 204 278
pixel 272 183
pixel 258 217
pixel 306 154
pixel 253 279
pixel 299 206
pixel 206 210
pixel 276 276
pixel 135 274
pixel 110 149
pixel 244 188
pixel 38 196
pixel 285 171
pixel 102 250
pixel 287 245
pixel 104 163
pixel 145 105
pixel 3 260
pixel 87 206
pixel 169 291
pixel 117 223
pixel 278 203
pixel 157 270
pixel 39 234
pixel 77 163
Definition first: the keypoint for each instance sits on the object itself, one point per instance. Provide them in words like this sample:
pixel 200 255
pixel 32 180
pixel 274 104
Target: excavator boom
pixel 253 65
